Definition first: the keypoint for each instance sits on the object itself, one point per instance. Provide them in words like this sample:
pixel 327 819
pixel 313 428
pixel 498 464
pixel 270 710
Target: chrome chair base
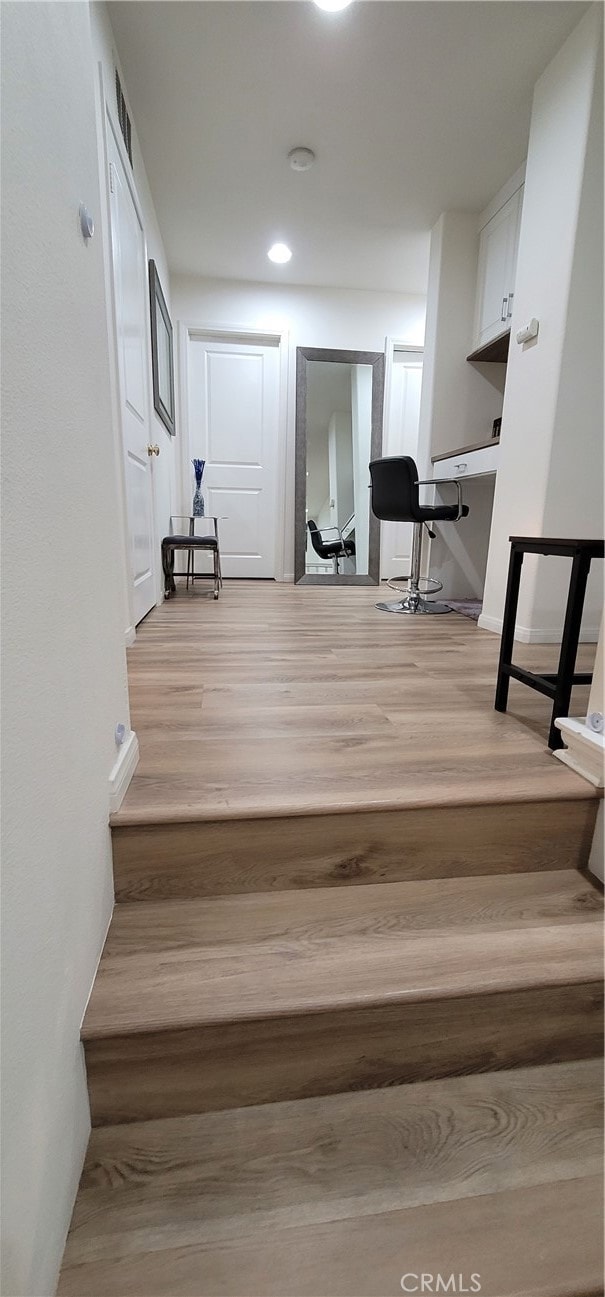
pixel 414 607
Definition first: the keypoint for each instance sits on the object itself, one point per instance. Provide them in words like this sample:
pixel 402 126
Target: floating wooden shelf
pixel 496 350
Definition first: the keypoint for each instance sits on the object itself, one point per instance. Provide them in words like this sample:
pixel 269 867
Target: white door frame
pixel 259 338
pixel 103 116
pixel 108 124
pixel 391 345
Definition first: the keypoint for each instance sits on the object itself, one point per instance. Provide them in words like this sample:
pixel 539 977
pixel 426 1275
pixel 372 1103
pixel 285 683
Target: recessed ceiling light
pixel 279 253
pixel 332 6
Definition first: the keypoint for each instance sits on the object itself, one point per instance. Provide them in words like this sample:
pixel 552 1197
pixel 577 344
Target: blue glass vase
pixel 198 502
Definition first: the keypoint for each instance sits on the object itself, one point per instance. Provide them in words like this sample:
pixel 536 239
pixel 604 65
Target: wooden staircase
pixel 347 1026
pixel 299 1051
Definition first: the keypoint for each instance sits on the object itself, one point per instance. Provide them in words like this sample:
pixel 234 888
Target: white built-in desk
pixel 459 551
pixel 469 461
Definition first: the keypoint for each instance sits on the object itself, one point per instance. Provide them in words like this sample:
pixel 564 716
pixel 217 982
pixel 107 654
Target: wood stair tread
pixel 343 1194
pixel 175 964
pixel 414 786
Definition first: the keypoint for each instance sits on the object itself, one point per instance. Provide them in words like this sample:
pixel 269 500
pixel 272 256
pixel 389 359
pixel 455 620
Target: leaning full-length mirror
pixel 339 398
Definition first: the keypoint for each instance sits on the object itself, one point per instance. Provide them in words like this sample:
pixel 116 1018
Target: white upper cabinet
pixel 498 244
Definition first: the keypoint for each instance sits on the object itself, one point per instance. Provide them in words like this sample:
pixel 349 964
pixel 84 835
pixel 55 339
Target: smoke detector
pixel 301 159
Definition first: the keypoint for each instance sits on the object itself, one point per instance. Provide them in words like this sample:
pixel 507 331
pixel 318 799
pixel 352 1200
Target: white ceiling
pixel 413 107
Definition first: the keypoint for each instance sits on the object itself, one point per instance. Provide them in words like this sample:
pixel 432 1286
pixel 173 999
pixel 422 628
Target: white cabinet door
pixel 131 298
pixel 233 425
pixel 496 275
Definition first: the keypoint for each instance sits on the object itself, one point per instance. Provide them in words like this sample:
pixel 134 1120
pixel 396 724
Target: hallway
pixel 301 940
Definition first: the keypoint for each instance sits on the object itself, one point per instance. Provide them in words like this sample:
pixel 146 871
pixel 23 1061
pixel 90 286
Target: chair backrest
pixel 394 490
pixel 315 537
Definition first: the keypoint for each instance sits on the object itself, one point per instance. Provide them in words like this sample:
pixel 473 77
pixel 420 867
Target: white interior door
pixel 130 297
pixel 401 438
pixel 233 398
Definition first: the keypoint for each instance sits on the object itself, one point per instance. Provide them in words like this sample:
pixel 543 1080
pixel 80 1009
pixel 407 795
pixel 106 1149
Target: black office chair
pixel 336 548
pixel 395 498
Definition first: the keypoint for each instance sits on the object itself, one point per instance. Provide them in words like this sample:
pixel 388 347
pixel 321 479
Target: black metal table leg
pixel 168 568
pixel 569 645
pixel 191 556
pixel 508 627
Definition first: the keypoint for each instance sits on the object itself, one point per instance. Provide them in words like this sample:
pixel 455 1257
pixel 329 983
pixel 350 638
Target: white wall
pixel 459 401
pixel 340 459
pixel 361 432
pixel 313 317
pixel 550 472
pixel 574 493
pixel 165 467
pixel 64 662
pixel 318 480
pixel 458 556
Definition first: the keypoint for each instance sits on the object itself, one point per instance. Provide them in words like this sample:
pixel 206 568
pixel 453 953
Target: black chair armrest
pixel 445 481
pixel 322 531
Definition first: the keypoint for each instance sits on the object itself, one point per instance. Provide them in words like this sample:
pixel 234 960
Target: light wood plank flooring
pixel 246 999
pixel 171 965
pixel 349 901
pixel 281 700
pixel 496 1175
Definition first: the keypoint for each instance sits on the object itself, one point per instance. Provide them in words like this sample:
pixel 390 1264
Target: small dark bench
pixel 559 684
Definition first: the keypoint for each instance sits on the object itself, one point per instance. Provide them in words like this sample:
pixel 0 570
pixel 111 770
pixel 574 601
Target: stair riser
pixel 171 1074
pixel 217 857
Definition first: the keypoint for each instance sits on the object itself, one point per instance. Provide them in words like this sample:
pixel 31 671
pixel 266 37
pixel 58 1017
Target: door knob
pixel 153 450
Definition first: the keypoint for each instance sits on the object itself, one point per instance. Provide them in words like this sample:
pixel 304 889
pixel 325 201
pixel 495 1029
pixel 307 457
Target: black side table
pixel 557 686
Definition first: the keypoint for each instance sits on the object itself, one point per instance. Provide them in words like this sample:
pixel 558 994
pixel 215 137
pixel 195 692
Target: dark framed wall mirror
pixel 339 410
pixel 162 352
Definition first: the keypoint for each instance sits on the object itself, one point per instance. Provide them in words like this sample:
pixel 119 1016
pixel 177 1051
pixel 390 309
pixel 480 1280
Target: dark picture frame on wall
pixel 162 352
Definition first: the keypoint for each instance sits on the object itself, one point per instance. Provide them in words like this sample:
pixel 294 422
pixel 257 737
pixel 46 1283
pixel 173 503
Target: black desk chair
pixel 336 548
pixel 395 498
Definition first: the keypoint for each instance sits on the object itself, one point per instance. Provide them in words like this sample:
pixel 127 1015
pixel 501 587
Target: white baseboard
pixel 533 635
pixel 585 751
pixel 530 636
pixel 123 770
pixel 130 635
pixel 490 623
pixel 94 976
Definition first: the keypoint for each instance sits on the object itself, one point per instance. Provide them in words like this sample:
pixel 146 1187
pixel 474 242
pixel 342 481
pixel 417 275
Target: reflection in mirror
pixel 339 426
pixel 339 415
